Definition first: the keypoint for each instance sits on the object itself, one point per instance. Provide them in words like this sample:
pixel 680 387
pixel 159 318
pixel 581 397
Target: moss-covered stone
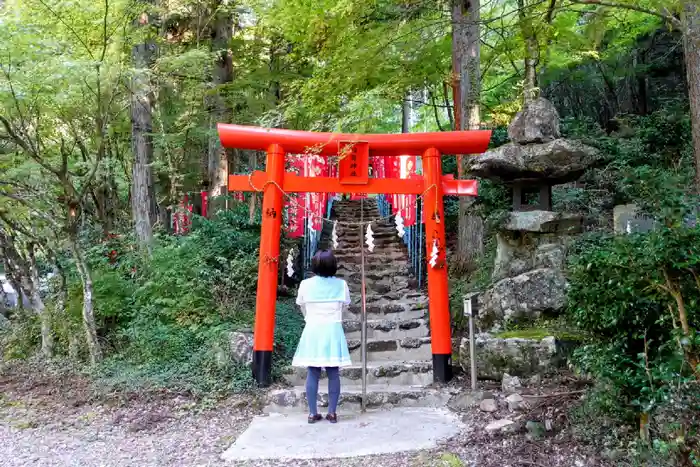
pixel 517 356
pixel 541 333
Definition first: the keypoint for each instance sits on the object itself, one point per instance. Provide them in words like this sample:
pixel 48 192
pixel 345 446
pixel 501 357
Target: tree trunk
pixel 89 324
pixel 143 205
pixel 406 114
pixel 532 53
pixel 66 324
pixel 47 340
pixel 467 56
pixel 22 269
pixel 217 166
pixel 691 47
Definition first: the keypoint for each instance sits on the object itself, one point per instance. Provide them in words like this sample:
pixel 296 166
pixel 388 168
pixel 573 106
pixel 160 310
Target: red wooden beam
pixel 459 187
pixel 293 183
pixel 299 142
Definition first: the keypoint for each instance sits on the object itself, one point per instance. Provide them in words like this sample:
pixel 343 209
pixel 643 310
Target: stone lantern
pixel 528 280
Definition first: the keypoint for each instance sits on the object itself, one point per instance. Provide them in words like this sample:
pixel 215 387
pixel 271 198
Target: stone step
pixel 372 297
pixel 402 316
pixel 371 258
pixel 378 396
pixel 387 329
pixel 395 311
pixel 396 277
pixel 378 265
pixel 389 373
pixel 379 243
pixel 409 349
pixel 407 299
pixel 377 232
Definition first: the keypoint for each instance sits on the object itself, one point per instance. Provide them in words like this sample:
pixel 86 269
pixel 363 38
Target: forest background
pixel 108 119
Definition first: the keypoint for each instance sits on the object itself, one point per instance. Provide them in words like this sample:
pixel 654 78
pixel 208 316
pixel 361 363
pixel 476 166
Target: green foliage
pixel 166 319
pixel 635 294
pixel 20 339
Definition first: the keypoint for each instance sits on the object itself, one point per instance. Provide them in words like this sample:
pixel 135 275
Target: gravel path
pixel 168 433
pixel 174 433
pixel 58 423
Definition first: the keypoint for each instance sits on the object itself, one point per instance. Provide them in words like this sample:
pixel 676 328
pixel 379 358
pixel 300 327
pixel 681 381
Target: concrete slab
pixel 285 437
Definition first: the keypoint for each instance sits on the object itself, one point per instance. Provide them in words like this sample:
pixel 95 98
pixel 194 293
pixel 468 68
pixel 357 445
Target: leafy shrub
pixel 639 297
pixel 165 320
pixel 20 337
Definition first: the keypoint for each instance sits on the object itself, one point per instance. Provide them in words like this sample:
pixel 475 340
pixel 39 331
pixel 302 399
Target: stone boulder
pixel 518 253
pixel 543 222
pixel 488 405
pixel 511 384
pixel 522 298
pixel 518 357
pixel 501 426
pixel 538 122
pixel 240 347
pixel 468 400
pixel 558 161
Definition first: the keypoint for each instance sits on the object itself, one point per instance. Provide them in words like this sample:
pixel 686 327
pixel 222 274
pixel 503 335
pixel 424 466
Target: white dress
pixel 323 343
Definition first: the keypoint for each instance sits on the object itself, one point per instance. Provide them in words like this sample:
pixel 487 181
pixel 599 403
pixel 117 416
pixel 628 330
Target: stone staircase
pixel 399 357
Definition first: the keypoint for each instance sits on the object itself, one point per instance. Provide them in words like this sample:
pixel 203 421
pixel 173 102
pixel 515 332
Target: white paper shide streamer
pixel 334 235
pixel 434 255
pixel 399 224
pixel 369 238
pixel 290 263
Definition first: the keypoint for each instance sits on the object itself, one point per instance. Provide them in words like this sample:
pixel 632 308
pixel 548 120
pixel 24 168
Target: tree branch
pixel 70 29
pixel 676 22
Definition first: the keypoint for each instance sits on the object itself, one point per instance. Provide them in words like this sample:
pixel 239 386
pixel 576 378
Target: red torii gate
pixel 353 178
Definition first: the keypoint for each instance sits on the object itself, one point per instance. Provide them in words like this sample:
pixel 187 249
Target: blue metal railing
pixel 312 237
pixel 414 237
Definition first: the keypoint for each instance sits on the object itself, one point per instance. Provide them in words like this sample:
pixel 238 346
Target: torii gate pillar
pixel 268 266
pixel 274 182
pixel 438 297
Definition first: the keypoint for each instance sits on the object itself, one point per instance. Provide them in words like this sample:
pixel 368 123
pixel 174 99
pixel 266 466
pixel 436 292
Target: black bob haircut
pixel 324 263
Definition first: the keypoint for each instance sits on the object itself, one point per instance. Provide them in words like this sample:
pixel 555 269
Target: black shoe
pixel 331 417
pixel 315 418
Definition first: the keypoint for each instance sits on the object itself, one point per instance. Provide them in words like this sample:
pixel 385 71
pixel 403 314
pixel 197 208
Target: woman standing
pixel 322 344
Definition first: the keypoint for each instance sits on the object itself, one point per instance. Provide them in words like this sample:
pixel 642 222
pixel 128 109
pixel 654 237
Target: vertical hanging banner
pixel 378 167
pixel 205 200
pixel 182 217
pixel 316 166
pixel 392 170
pixel 408 170
pixel 294 201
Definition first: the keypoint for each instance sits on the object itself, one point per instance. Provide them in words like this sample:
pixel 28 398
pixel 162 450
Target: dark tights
pixel 312 379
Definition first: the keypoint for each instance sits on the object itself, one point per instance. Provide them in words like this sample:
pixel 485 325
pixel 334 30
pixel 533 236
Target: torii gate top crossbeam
pixel 326 144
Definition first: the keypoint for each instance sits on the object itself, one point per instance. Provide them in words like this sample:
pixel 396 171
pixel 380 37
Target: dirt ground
pixel 52 417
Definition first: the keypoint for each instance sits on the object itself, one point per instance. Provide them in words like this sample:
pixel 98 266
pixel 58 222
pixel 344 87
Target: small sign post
pixel 470 310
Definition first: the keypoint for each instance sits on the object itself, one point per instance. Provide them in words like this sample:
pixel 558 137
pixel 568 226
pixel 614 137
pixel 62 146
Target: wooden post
pixel 439 307
pixel 268 267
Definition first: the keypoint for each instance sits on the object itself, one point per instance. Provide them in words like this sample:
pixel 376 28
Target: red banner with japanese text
pixel 294 202
pixel 317 166
pixel 392 169
pixel 182 217
pixel 408 170
pixel 378 167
